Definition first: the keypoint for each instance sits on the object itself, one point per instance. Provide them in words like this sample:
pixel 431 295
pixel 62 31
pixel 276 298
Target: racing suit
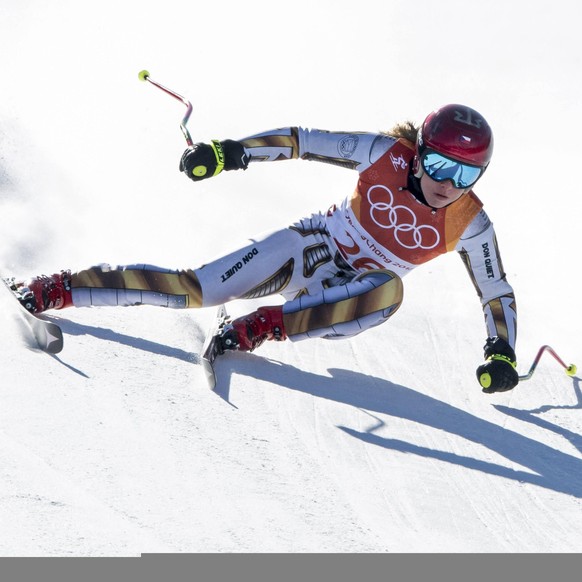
pixel 339 271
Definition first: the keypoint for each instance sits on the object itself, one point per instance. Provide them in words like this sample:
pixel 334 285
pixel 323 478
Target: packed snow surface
pixel 380 443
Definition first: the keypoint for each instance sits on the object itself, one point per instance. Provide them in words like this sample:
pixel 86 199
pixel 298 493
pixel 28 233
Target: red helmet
pixel 458 132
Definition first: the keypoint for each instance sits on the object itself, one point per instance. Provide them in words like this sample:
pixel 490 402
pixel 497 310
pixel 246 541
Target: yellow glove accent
pixel 503 358
pixel 219 153
pixel 485 379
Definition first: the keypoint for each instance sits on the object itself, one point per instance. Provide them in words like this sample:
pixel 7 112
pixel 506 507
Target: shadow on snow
pixel 550 468
pixel 78 329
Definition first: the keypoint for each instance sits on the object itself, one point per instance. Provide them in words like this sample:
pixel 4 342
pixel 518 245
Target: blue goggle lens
pixel 441 168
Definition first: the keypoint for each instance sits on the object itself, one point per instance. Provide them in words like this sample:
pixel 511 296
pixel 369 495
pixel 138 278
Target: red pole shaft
pixel 570 370
pixel 145 76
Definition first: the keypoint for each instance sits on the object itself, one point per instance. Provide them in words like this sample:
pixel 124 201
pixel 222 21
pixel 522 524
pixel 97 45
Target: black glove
pixel 201 160
pixel 498 373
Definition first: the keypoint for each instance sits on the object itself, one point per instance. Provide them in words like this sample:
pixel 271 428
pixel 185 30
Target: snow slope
pixel 381 443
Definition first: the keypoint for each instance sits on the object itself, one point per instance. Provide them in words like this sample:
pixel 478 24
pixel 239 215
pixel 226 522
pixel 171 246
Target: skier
pixel 340 271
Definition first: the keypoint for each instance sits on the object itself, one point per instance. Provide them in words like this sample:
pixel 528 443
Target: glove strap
pixel 503 359
pixel 219 154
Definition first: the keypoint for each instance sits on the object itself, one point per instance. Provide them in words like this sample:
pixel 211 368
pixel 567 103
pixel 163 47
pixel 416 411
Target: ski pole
pixel 570 370
pixel 145 76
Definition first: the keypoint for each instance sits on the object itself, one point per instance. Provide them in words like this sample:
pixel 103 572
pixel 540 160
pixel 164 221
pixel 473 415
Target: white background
pixel 382 443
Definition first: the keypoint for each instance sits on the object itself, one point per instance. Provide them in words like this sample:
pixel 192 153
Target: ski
pixel 212 348
pixel 47 335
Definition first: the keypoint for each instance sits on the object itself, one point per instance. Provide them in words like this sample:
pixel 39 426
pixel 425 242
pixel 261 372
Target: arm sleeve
pixel 356 151
pixel 480 253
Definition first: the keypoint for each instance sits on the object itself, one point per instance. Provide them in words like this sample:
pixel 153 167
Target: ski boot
pixel 248 332
pixel 41 293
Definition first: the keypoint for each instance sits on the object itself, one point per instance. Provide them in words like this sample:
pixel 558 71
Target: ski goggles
pixel 441 168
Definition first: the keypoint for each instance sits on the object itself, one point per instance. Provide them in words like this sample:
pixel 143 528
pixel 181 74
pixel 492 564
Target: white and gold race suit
pixel 340 271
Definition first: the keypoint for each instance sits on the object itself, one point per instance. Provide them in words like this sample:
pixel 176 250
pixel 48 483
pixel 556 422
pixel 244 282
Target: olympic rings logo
pixel 402 220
